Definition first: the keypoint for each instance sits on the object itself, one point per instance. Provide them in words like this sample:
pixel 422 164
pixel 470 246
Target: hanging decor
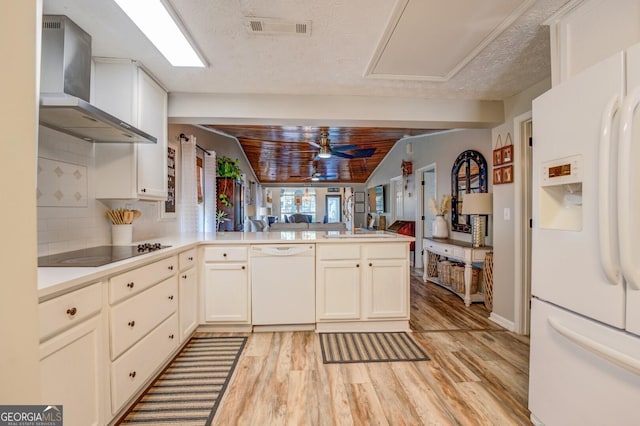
pixel 407 168
pixel 502 161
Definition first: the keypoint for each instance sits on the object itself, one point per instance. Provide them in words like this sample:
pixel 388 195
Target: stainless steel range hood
pixel 65 87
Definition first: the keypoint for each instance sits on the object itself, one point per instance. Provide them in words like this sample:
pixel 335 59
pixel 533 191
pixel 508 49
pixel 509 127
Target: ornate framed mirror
pixel 469 174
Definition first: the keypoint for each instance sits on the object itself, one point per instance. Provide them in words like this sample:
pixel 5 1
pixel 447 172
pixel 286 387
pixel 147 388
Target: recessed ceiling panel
pixel 432 40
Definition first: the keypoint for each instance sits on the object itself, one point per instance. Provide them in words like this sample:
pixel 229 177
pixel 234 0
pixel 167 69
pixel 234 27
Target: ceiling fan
pixel 316 176
pixel 326 150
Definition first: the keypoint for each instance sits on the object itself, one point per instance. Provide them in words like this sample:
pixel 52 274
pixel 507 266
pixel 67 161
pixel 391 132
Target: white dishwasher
pixel 283 284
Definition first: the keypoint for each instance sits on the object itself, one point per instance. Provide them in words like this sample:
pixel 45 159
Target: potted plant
pixel 229 170
pixel 439 225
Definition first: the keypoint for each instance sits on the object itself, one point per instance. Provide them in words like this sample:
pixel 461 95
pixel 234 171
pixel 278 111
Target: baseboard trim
pixel 502 322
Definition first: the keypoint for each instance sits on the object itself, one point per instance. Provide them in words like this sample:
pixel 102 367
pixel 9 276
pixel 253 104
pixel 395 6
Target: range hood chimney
pixel 65 81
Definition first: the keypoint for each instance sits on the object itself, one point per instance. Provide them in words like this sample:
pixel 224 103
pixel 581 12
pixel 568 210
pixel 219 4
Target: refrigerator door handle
pixel 625 210
pixel 607 227
pixel 618 358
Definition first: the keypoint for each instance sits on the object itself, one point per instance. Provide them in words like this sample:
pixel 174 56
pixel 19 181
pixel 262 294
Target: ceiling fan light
pixel 325 152
pixel 315 178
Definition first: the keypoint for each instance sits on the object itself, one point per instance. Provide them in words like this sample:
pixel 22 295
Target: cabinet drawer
pixel 70 309
pixel 443 249
pixel 131 371
pixel 133 282
pixel 225 254
pixel 187 259
pixel 386 251
pixel 134 318
pixel 338 251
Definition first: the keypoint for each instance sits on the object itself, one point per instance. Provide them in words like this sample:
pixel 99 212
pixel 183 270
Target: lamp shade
pixel 251 210
pixel 477 203
pixel 265 211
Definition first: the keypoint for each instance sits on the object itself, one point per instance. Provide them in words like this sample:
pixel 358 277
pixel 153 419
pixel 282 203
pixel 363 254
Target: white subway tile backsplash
pixel 69 228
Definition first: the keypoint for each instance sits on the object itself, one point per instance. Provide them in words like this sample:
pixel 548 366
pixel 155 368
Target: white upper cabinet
pixel 131 171
pixel 591 32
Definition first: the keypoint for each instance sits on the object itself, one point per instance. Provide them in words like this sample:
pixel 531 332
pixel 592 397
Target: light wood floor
pixel 477 375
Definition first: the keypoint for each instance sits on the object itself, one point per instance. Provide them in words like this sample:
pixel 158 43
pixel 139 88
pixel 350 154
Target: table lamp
pixel 477 205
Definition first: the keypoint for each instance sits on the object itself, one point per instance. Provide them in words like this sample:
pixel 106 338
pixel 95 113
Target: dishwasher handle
pixel 281 250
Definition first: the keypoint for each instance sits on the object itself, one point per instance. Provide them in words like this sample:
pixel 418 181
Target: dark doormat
pixel 369 347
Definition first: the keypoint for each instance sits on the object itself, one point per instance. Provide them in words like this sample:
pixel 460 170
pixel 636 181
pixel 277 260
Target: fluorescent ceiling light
pixel 158 24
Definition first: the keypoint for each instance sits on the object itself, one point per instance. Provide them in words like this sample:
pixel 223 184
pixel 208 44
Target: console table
pixel 462 251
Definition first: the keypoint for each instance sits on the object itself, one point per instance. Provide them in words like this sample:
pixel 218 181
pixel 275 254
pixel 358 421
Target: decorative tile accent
pixel 61 184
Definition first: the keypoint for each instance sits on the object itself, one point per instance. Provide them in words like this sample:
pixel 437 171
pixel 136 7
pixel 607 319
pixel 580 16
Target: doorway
pixel 426 185
pixel 333 208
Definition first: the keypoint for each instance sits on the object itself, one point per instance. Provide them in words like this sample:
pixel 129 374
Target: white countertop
pixel 54 281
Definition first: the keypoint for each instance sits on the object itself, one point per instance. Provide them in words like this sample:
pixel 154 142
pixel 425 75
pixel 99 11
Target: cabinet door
pixel 152 158
pixel 386 289
pixel 188 288
pixel 338 290
pixel 227 295
pixel 72 369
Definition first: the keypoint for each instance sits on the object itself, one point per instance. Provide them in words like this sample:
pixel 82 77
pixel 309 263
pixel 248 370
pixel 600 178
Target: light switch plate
pixel 507 213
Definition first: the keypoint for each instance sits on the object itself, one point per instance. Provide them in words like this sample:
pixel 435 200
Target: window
pixel 297 200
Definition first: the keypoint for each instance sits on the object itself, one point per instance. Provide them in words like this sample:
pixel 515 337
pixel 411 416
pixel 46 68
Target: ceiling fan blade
pixel 363 153
pixel 343 147
pixel 341 154
pixel 313 144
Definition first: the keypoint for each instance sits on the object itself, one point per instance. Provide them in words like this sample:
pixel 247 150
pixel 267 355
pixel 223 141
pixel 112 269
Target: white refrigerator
pixel 585 311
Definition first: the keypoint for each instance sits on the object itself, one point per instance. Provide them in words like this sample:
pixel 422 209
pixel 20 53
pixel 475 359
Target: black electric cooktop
pixel 97 256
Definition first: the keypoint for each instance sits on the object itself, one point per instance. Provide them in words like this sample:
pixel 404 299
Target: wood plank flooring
pixel 478 375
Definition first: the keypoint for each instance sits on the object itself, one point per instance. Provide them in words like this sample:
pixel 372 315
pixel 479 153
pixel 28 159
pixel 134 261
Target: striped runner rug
pixel 189 391
pixel 340 348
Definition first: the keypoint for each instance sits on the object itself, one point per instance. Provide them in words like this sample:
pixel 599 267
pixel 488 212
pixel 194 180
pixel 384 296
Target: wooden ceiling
pixel 284 155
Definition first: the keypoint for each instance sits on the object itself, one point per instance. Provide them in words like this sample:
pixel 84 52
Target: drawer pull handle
pixel 132 374
pixel 371 264
pixel 190 258
pixel 243 267
pixel 72 311
pixel 171 297
pixel 171 336
pixel 224 254
pixel 131 284
pixel 357 265
pixel 171 267
pixel 184 276
pixel 131 324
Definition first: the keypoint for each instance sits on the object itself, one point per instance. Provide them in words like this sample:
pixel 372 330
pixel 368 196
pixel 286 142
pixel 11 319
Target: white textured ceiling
pixel 345 36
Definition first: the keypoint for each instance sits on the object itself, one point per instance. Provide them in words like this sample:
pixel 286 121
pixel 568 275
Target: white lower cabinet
pixel 386 281
pixel 338 290
pixel 132 370
pixel 73 362
pixel 361 282
pixel 144 326
pixel 188 290
pixel 226 285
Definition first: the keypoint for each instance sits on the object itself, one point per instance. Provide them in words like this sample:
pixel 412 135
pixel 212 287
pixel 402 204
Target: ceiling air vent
pixel 278 26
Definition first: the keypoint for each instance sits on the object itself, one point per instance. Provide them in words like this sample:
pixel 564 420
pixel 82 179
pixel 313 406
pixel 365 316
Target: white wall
pixel 19 356
pixel 504 198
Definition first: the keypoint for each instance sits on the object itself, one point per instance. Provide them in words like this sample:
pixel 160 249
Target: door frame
pixel 522 199
pixel 420 213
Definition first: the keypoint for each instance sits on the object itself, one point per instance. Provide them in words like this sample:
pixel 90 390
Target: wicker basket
pixel 432 264
pixel 488 281
pixel 444 272
pixel 457 280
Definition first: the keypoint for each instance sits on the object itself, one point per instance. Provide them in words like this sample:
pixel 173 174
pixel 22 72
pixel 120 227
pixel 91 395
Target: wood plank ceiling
pixel 288 154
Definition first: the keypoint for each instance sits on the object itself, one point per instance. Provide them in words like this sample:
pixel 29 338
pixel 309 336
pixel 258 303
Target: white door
pixel 428 192
pixel 630 234
pixel 566 257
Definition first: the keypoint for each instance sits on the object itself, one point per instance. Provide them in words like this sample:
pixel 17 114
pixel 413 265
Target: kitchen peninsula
pixel 121 323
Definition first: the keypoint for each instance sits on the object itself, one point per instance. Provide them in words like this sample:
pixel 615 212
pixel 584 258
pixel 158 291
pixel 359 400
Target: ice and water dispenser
pixel 561 194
